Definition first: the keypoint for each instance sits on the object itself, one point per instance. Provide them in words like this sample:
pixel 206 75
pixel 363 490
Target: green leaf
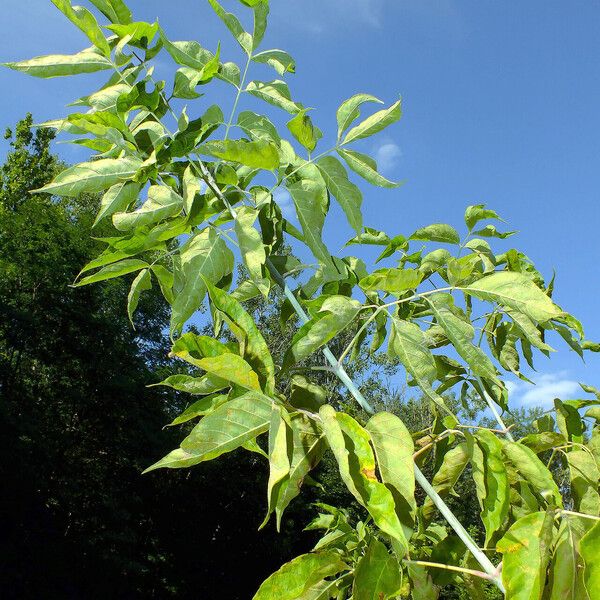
pixel 294 579
pixel 260 154
pixel 252 247
pixel 366 167
pixel 258 126
pixel 230 73
pixel 253 347
pixel 566 574
pixel 491 231
pixel 525 553
pixel 378 575
pixel 394 449
pixel 162 203
pixel 529 329
pixel 460 333
pixel 305 394
pixel 231 367
pixel 201 407
pixel 205 256
pixel 279 461
pixel 478 212
pixel 115 11
pixel 349 111
pixel 584 476
pixel 281 61
pixel 302 128
pixel 92 177
pixel 115 270
pixel 84 20
pixel 496 498
pixel 201 386
pixel 408 343
pixel 533 470
pixel 139 34
pixel 348 196
pixel 243 38
pixel 276 93
pixel 454 463
pixel 515 291
pixel 188 54
pixel 569 422
pixel 165 281
pixel 590 550
pixel 306 451
pixel 392 281
pixel 118 198
pixel 350 444
pixel 375 123
pixel 422 587
pixel 261 13
pixel 141 283
pixel 335 314
pixel 310 199
pixel 438 232
pixel 61 65
pixel 229 427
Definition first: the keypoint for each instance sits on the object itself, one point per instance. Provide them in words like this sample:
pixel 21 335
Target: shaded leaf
pixel 378 575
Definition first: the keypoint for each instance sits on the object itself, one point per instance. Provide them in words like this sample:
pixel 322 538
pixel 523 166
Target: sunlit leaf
pixel 366 167
pixel 349 111
pixel 86 22
pixel 252 345
pixel 515 291
pixel 348 196
pixel 375 123
pixel 61 65
pixel 336 313
pixel 243 38
pixel 230 426
pixel 141 283
pixel 276 93
pixel 293 580
pixel 351 447
pixel 115 270
pixel 92 177
pixel 394 448
pixel 280 60
pixel 260 154
pixel 162 203
pixel 525 552
pixel 114 10
pixel 205 256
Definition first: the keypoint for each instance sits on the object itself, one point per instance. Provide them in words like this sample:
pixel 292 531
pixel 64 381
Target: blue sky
pixel 500 107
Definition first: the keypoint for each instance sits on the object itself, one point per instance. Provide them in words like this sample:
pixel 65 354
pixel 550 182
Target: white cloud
pixel 387 156
pixel 547 387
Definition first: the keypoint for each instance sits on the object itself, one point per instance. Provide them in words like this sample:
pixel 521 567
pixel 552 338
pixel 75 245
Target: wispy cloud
pixel 547 387
pixel 319 16
pixel 387 156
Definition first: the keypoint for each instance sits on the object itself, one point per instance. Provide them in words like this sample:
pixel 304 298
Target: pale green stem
pixel 473 572
pixel 237 96
pixel 494 410
pixel 577 514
